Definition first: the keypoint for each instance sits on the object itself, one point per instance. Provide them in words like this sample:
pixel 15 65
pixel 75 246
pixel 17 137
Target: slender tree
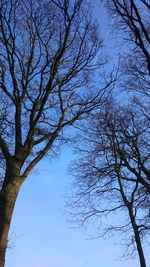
pixel 46 53
pixel 112 174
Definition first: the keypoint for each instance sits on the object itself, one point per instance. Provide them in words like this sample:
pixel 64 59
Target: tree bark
pixel 8 196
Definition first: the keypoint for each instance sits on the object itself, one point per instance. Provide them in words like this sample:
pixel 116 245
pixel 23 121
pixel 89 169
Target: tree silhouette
pixel 112 171
pixel 46 53
pixel 112 175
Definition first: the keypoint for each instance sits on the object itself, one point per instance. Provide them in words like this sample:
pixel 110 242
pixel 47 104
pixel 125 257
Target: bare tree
pixel 46 53
pixel 132 22
pixel 112 174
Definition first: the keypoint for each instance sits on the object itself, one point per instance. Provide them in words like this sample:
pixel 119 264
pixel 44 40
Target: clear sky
pixel 40 235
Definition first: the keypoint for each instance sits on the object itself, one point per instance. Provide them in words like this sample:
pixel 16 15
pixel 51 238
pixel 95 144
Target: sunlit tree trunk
pixel 8 197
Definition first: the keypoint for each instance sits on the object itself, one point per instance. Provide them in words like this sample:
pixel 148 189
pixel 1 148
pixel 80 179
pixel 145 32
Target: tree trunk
pixel 8 197
pixel 139 248
pixel 137 239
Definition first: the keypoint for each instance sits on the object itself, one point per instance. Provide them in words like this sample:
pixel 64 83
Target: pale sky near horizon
pixel 40 235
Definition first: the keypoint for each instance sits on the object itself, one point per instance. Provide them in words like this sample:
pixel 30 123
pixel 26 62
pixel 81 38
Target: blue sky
pixel 40 235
